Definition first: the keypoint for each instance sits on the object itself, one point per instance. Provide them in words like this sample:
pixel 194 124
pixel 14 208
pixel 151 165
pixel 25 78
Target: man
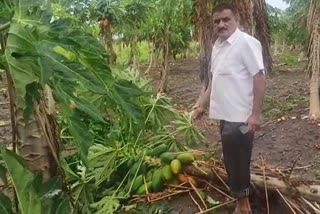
pixel 235 94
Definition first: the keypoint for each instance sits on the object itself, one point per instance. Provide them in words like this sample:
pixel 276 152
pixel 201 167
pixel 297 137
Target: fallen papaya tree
pixel 301 196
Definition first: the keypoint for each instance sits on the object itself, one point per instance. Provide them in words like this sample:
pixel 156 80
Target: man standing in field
pixel 235 94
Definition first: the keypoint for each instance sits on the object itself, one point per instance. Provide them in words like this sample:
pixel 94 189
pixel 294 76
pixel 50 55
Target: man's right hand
pixel 197 113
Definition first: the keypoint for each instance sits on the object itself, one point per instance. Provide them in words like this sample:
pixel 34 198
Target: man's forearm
pixel 259 87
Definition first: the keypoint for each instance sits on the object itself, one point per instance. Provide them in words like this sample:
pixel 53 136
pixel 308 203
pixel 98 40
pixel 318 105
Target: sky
pixel 278 3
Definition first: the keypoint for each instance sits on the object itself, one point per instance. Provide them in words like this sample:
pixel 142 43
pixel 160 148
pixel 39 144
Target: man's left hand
pixel 254 123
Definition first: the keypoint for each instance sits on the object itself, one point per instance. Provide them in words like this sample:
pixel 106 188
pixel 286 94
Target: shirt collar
pixel 233 36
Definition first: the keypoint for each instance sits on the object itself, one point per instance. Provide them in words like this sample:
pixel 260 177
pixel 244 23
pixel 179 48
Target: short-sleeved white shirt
pixel 234 62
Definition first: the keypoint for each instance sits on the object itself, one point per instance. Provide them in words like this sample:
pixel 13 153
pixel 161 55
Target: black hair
pixel 223 6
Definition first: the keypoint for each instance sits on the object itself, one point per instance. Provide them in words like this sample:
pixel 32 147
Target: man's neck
pixel 224 39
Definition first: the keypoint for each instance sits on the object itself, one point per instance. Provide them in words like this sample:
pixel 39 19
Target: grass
pixel 276 107
pixel 123 53
pixel 289 59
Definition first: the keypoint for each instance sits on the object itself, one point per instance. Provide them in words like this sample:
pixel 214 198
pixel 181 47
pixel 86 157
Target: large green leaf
pixel 124 93
pixel 103 160
pixel 5 204
pixel 34 196
pixel 29 201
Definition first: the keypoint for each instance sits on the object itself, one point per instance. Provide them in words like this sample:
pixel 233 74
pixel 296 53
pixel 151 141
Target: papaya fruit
pixel 185 158
pixel 157 151
pixel 157 182
pixel 167 157
pixel 137 183
pixel 142 189
pixel 175 166
pixel 166 172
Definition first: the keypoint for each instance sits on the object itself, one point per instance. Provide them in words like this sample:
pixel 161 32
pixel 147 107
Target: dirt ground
pixel 294 141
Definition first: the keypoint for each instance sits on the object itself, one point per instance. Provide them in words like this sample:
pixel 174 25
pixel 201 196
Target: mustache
pixel 221 29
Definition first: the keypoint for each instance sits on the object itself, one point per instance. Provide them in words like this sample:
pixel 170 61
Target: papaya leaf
pixel 83 138
pixel 5 204
pixel 103 160
pixel 107 205
pixel 29 201
pixel 124 92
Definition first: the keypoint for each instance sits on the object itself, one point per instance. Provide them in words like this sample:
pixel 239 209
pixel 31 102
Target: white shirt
pixel 234 62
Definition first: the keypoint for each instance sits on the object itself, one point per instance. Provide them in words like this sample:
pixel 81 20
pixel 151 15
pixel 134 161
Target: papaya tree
pixel 314 60
pixel 170 15
pixel 108 13
pixel 131 27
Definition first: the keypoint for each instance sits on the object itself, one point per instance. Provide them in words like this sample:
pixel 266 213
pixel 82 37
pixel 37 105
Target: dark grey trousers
pixel 237 149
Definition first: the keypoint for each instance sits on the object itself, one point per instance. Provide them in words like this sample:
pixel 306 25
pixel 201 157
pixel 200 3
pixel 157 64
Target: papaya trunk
pixel 106 32
pixel 314 59
pixel 164 74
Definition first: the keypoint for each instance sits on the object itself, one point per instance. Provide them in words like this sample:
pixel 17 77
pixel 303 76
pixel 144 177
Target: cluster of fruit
pixel 162 168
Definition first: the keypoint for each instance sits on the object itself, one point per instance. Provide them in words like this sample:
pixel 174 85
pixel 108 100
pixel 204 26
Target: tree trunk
pixel 106 32
pixel 262 32
pixel 37 139
pixel 245 15
pixel 36 142
pixel 151 56
pixel 276 46
pixel 314 58
pixel 164 74
pixel 206 39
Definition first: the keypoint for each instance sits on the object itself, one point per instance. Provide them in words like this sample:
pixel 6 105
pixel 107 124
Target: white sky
pixel 278 3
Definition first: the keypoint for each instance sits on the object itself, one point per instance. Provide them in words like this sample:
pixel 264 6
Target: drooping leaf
pixel 53 199
pixel 29 201
pixel 125 92
pixel 103 160
pixel 5 204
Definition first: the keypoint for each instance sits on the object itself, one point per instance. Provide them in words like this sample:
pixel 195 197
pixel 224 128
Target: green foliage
pixel 33 195
pixel 290 25
pixel 107 205
pixel 276 107
pixel 5 204
pixel 289 59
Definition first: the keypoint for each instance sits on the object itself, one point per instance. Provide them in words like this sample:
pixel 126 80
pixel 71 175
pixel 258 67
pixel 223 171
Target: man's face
pixel 225 23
